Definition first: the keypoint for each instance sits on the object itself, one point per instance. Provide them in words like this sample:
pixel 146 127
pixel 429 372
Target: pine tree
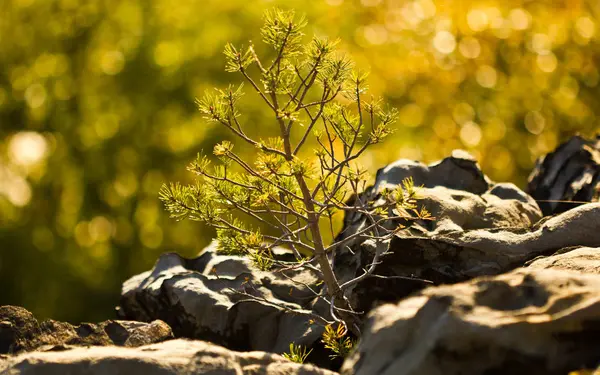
pixel 312 91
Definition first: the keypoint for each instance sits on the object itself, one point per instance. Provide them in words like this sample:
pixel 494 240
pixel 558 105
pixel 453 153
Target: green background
pixel 97 111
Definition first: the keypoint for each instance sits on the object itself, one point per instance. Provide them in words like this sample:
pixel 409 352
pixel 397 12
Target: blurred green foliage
pixel 97 110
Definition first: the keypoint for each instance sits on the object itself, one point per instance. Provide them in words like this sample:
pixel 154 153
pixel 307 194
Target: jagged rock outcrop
pixel 175 357
pixel 20 331
pixel 530 321
pixel 570 173
pixel 480 228
pixel 202 298
pixel 461 255
pixel 543 318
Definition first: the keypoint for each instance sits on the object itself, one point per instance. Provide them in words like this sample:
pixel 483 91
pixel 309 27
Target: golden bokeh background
pixel 97 111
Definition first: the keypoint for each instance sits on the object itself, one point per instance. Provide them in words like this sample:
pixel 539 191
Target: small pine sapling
pixel 314 94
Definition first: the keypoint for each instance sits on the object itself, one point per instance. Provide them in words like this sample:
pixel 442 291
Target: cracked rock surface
pixel 480 228
pixel 204 298
pixel 530 321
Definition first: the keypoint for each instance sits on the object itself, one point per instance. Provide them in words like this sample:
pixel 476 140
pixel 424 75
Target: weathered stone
pixel 480 228
pixel 529 321
pixel 459 172
pixel 570 173
pixel 584 259
pixel 202 298
pixel 20 331
pixel 175 357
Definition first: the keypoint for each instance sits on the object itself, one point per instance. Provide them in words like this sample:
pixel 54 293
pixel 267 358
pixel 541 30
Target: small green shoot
pixel 336 340
pixel 297 353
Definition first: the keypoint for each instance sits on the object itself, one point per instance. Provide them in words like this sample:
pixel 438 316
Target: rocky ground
pixel 502 282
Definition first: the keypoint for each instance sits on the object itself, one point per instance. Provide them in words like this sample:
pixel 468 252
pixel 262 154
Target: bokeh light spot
pixel 126 185
pixel 112 62
pixel 375 34
pixel 541 43
pixel 469 47
pixel 444 42
pixel 501 161
pixel 547 63
pixel 494 129
pixel 100 229
pixel 426 8
pixel 470 134
pixel 82 234
pixel 35 95
pixel 167 54
pixel 520 19
pixel 444 127
pixel 486 76
pixel 411 115
pixel 463 112
pixel 106 126
pixel 585 27
pixel 27 148
pixel 477 20
pixel 14 187
pixel 534 122
pixel 42 238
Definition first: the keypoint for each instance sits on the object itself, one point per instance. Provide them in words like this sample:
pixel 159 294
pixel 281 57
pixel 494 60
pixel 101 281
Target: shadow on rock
pixel 480 228
pixel 531 321
pixel 175 357
pixel 570 173
pixel 21 332
pixel 225 300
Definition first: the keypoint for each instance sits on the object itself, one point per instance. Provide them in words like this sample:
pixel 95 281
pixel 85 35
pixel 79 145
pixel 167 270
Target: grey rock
pixel 480 228
pixel 459 172
pixel 201 298
pixel 175 357
pixel 530 321
pixel 570 173
pixel 20 331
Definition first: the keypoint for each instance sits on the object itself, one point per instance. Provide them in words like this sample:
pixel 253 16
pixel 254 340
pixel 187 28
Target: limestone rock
pixel 175 357
pixel 20 331
pixel 201 298
pixel 570 173
pixel 459 172
pixel 583 259
pixel 480 228
pixel 530 321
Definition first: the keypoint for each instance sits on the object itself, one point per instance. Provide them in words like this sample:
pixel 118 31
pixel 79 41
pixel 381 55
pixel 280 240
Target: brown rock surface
pixel 529 321
pixel 20 331
pixel 583 259
pixel 174 357
pixel 480 228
